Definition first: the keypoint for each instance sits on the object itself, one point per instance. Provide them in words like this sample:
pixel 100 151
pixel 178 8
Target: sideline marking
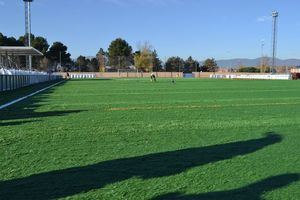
pixel 27 96
pixel 198 106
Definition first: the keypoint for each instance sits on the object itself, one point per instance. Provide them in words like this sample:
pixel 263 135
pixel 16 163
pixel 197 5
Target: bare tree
pixel 143 58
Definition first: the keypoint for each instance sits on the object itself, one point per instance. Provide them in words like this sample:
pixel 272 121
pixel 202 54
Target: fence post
pixel 1 83
pixel 13 83
pixel 5 82
pixel 10 82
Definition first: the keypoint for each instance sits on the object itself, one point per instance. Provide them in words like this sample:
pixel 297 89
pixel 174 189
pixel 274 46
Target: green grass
pixel 133 139
pixel 8 96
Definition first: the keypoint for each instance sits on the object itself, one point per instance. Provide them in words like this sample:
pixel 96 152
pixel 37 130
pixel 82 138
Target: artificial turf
pixel 133 139
pixel 11 95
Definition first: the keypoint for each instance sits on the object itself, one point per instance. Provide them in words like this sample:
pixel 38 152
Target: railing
pixel 82 76
pixel 253 76
pixel 92 75
pixel 12 82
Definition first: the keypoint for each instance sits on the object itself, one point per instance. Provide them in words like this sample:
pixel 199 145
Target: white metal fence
pixel 251 76
pixel 82 76
pixel 11 80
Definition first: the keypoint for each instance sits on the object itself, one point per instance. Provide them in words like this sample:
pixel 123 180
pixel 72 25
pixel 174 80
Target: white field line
pixel 27 96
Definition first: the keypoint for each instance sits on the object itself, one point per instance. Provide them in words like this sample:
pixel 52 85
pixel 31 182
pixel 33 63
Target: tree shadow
pixel 94 79
pixel 67 182
pixel 26 109
pixel 30 113
pixel 250 192
pixel 10 95
pixel 2 124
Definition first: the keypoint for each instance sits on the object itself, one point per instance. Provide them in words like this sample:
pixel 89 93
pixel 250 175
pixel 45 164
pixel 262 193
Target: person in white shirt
pixel 153 77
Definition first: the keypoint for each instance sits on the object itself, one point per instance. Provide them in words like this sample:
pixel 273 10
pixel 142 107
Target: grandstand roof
pixel 19 51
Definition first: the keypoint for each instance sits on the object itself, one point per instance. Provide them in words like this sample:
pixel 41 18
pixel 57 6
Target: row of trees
pixel 190 65
pixel 264 69
pixel 84 64
pixel 119 56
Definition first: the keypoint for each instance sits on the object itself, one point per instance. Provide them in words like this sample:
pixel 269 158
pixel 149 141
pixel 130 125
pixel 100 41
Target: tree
pixel 24 39
pixel 249 69
pixel 84 64
pixel 143 59
pixel 174 64
pixel 102 59
pixel 191 65
pixel 58 50
pixel 265 64
pixel 157 63
pixel 9 41
pixel 44 64
pixel 269 69
pixel 81 63
pixel 209 65
pixel 120 54
pixel 93 65
pixel 40 44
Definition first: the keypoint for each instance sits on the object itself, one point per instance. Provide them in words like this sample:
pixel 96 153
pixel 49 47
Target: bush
pixel 249 69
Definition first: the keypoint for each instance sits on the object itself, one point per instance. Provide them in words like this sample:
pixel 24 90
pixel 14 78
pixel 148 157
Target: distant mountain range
pixel 233 63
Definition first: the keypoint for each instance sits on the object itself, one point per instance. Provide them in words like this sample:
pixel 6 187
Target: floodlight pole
pixel 60 58
pixel 275 15
pixel 262 55
pixel 28 29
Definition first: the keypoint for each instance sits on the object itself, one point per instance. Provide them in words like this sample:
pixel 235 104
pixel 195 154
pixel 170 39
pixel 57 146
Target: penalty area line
pixel 27 96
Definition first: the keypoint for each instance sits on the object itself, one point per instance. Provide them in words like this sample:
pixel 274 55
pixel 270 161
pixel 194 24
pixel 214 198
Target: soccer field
pixel 133 139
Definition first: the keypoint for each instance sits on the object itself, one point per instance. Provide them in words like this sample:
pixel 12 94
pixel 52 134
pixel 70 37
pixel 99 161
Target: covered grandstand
pixel 9 55
pixel 12 76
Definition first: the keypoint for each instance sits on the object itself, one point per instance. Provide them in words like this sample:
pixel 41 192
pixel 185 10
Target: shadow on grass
pixel 8 96
pixel 94 79
pixel 67 182
pixel 26 109
pixel 30 113
pixel 17 123
pixel 250 192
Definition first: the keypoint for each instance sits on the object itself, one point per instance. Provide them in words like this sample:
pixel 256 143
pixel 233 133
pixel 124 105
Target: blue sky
pixel 200 28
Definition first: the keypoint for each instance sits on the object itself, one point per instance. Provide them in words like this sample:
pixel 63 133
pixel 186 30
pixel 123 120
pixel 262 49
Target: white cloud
pixel 264 18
